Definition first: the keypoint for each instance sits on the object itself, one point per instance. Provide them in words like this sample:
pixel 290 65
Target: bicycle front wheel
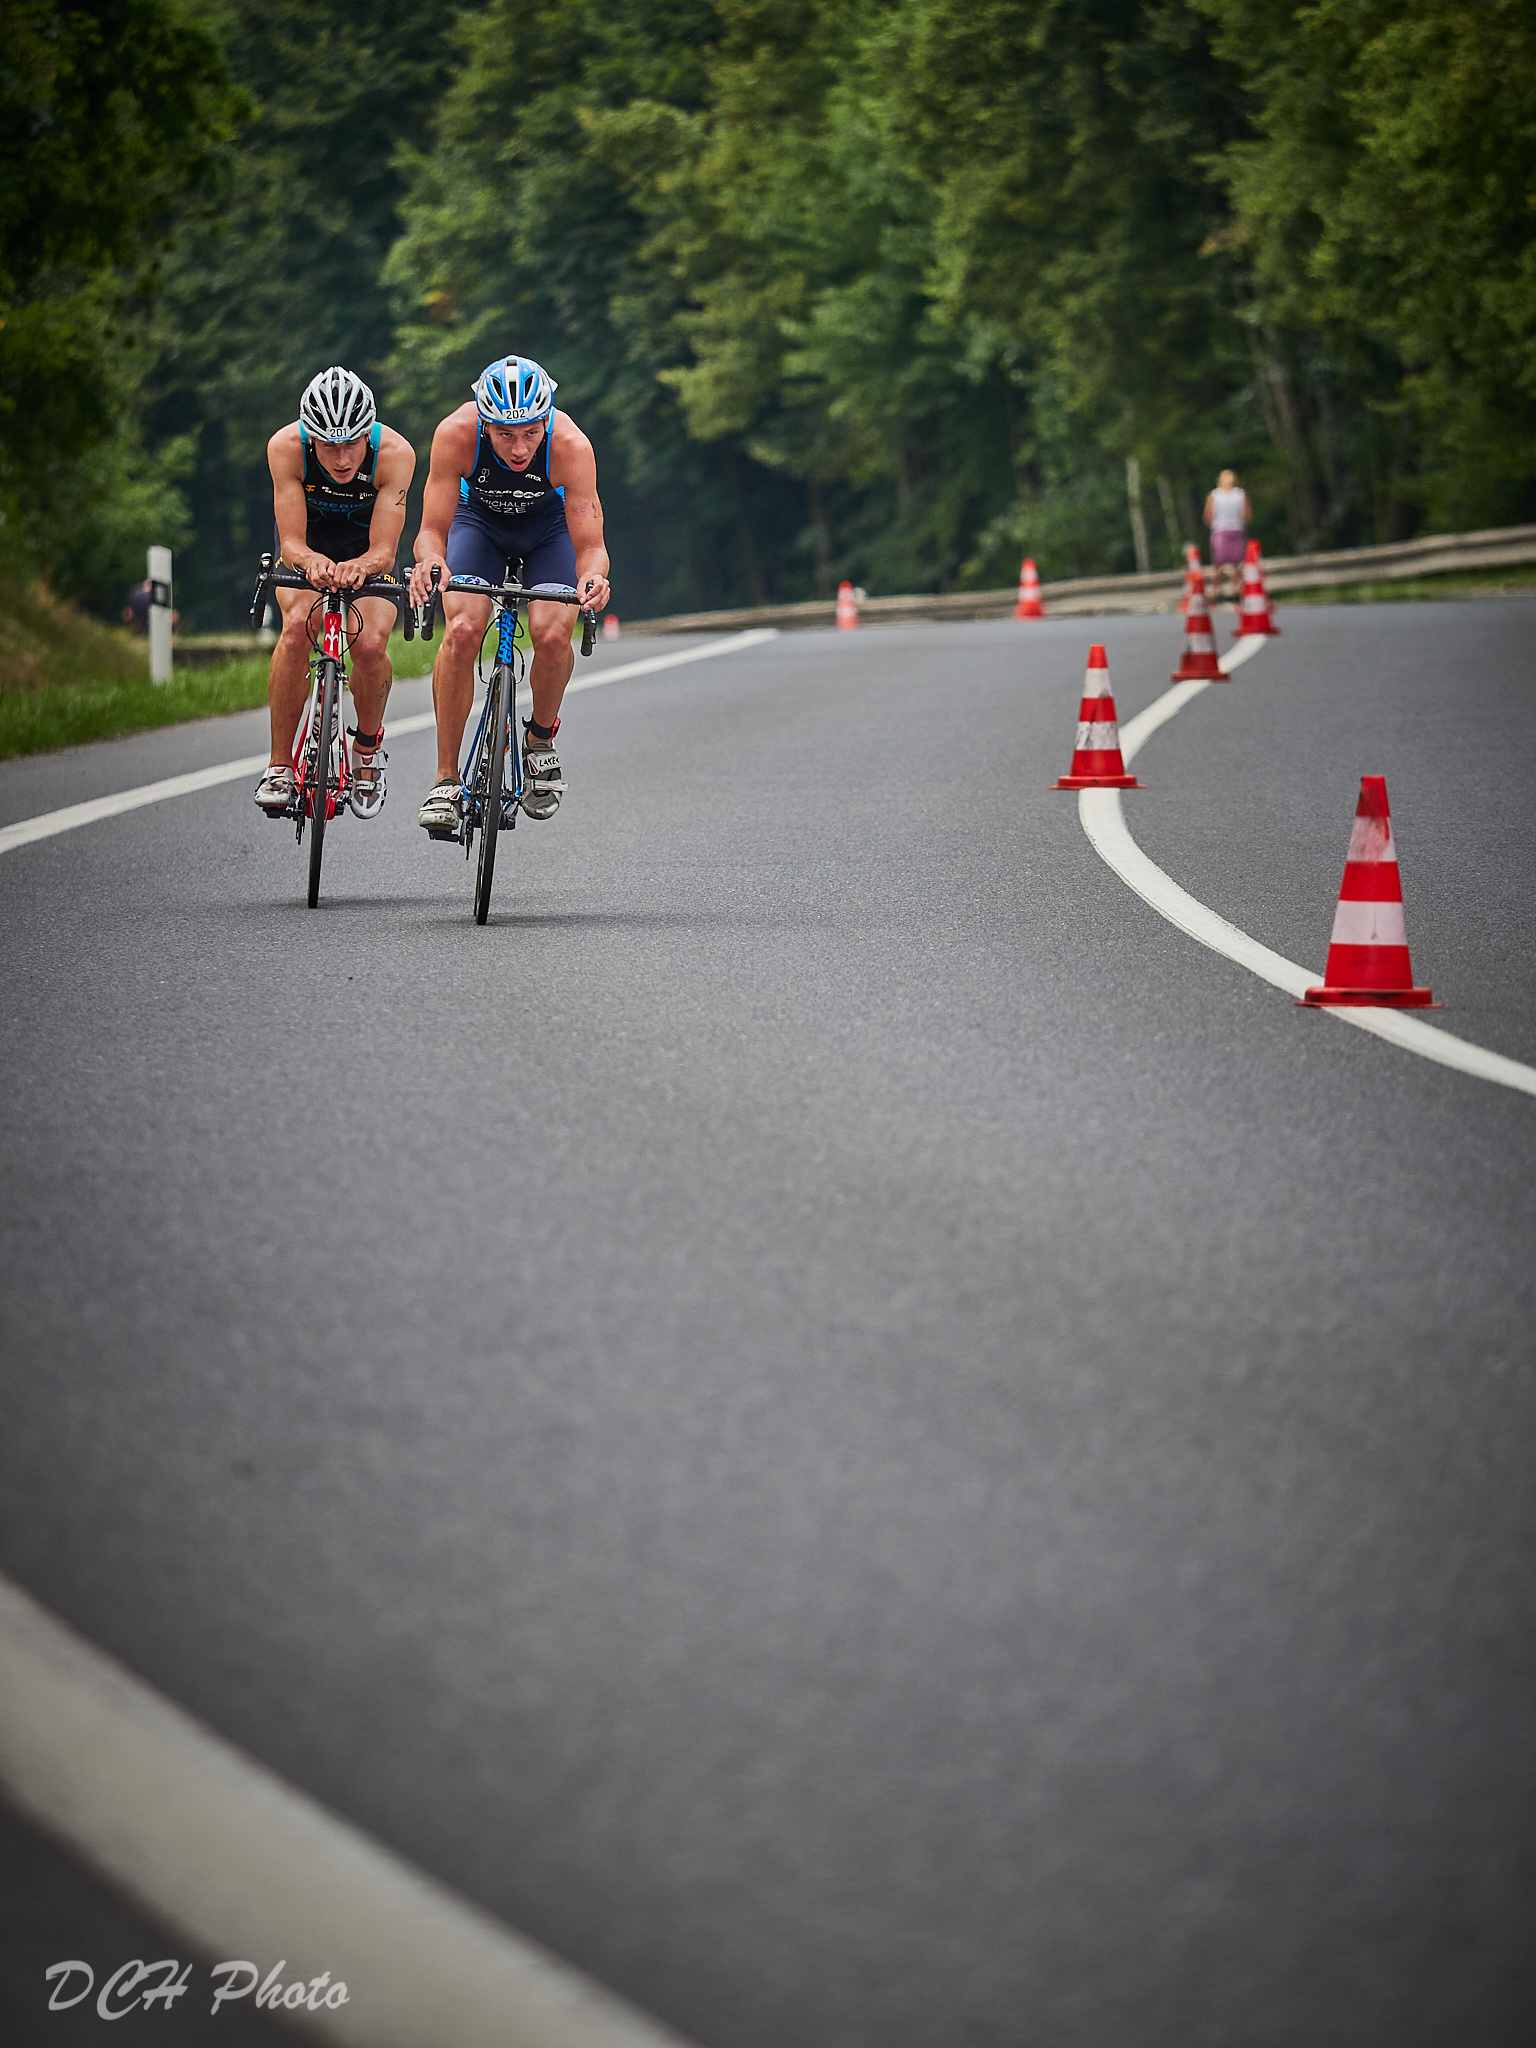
pixel 330 693
pixel 490 817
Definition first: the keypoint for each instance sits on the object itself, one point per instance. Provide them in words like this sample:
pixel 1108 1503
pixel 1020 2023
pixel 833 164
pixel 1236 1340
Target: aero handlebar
pixel 277 576
pixel 512 594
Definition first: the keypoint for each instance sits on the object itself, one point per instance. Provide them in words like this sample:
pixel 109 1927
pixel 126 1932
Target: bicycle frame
pixel 473 776
pixel 331 647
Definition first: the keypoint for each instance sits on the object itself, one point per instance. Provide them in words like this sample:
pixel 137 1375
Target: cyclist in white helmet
pixel 512 480
pixel 339 479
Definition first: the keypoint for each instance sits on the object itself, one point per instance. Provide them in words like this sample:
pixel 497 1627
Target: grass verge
pixel 66 679
pixel 102 707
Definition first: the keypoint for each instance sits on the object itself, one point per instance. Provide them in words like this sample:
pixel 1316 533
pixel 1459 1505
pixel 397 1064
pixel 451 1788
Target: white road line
pixel 735 644
pixel 26 830
pixel 245 1867
pixel 1104 822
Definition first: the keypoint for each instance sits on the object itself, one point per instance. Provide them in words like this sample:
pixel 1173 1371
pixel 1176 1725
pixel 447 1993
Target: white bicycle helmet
pixel 337 405
pixel 514 392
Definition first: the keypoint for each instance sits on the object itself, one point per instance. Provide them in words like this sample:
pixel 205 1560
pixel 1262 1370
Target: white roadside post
pixel 1138 517
pixel 160 615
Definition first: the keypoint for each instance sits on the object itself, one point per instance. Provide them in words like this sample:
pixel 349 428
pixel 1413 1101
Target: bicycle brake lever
pixel 263 592
pixel 426 613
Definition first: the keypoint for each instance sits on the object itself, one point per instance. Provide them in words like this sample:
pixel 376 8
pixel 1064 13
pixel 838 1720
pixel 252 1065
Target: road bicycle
pixel 322 760
pixel 491 779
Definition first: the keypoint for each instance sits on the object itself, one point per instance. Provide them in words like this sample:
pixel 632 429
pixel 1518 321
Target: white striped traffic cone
pixel 847 608
pixel 1029 605
pixel 1191 571
pixel 1097 762
pixel 1199 663
pixel 1256 616
pixel 1368 960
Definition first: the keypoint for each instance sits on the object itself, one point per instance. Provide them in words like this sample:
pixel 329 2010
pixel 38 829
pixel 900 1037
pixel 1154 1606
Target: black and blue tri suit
pixel 511 515
pixel 340 515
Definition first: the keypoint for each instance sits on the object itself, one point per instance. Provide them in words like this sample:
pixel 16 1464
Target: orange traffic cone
pixel 1191 571
pixel 1097 762
pixel 847 608
pixel 1199 664
pixel 610 625
pixel 1029 605
pixel 1368 956
pixel 1256 615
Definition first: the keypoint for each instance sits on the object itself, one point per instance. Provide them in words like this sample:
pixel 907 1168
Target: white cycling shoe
pixel 368 789
pixel 543 784
pixel 276 790
pixel 440 815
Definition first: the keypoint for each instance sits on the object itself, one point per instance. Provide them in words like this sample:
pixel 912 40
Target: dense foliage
pixel 881 288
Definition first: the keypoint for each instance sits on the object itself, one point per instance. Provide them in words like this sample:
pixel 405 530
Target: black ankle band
pixel 541 732
pixel 366 740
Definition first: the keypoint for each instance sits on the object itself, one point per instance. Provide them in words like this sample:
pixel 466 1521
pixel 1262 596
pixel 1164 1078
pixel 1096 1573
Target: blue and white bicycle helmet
pixel 514 392
pixel 337 405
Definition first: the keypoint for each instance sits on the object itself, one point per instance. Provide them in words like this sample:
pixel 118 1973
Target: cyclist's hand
pixel 350 575
pixel 322 572
pixel 592 592
pixel 421 578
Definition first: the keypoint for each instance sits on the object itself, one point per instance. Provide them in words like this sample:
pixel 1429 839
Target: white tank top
pixel 1227 511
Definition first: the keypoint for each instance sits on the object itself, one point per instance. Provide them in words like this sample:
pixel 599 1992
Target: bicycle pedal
pixel 443 833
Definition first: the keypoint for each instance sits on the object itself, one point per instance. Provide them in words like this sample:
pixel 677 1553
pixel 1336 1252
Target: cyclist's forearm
pixel 430 546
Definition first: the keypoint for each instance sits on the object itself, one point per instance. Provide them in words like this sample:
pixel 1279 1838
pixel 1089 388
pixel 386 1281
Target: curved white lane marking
pixel 244 1866
pixel 44 826
pixel 1104 822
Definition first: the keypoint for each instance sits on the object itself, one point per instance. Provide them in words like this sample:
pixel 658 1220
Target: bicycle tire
pixel 330 691
pixel 490 817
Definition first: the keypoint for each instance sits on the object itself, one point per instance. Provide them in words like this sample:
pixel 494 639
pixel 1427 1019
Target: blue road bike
pixel 491 779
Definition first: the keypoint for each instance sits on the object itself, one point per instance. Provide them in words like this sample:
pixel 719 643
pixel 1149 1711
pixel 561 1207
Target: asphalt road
pixel 828 1417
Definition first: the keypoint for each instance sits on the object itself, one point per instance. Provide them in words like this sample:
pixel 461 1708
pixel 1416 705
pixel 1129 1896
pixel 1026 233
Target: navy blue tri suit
pixel 510 515
pixel 339 515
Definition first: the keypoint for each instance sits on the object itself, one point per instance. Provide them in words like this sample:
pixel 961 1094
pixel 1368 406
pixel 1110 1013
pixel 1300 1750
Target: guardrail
pixel 1496 547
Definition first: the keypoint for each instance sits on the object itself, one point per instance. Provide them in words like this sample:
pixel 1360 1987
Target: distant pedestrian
pixel 136 609
pixel 1227 515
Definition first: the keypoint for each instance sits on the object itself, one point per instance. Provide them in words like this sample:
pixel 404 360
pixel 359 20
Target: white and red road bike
pixel 322 760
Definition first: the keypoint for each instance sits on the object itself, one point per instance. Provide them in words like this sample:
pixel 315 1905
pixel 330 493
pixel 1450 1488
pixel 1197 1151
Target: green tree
pixel 287 277
pixel 530 231
pixel 1388 199
pixel 110 115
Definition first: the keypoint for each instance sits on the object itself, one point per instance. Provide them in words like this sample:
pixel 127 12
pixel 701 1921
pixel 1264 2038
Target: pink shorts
pixel 1227 547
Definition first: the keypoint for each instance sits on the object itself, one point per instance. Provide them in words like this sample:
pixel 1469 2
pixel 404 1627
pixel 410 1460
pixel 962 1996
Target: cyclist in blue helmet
pixel 512 480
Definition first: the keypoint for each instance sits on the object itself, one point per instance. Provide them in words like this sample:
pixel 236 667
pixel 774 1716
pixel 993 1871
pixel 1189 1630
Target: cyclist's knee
pixel 551 637
pixel 460 639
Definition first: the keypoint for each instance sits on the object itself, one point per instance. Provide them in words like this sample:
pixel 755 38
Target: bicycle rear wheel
pixel 330 692
pixel 490 817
